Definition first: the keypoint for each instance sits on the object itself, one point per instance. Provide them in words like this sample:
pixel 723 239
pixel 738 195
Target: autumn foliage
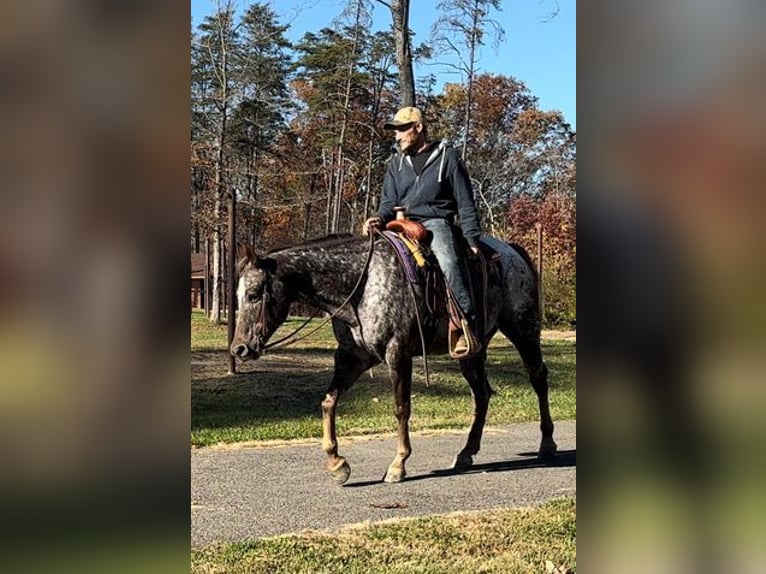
pixel 294 132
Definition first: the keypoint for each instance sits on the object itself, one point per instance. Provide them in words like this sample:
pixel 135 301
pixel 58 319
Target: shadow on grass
pixel 564 458
pixel 290 384
pixel 240 401
pixel 317 351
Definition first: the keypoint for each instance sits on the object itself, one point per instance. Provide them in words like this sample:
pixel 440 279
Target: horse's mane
pixel 331 240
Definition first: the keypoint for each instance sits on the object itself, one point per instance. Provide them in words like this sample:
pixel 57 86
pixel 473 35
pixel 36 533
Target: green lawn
pixel 277 397
pixel 519 541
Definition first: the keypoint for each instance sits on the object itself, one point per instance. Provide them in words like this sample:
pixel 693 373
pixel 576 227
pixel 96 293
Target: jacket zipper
pixel 428 162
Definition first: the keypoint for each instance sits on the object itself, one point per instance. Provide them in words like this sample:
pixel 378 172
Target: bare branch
pixel 552 14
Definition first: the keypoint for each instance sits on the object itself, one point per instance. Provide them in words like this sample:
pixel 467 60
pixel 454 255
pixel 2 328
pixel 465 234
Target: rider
pixel 430 181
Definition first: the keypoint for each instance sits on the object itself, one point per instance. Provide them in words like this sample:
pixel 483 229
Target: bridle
pixel 260 347
pixel 260 325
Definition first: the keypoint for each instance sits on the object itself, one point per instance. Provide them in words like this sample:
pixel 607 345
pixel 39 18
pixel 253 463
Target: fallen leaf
pixel 389 505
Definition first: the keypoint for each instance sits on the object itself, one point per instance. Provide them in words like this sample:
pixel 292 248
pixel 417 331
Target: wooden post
pixel 231 277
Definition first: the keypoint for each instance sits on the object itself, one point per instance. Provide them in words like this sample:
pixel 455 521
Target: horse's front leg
pixel 400 370
pixel 336 465
pixel 349 364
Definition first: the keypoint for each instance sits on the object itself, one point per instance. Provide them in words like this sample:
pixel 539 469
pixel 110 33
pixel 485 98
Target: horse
pixel 375 320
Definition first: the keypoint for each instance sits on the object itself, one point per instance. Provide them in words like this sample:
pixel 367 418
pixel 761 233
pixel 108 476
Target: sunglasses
pixel 404 128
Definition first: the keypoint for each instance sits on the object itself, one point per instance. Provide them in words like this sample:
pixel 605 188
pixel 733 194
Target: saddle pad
pixel 405 256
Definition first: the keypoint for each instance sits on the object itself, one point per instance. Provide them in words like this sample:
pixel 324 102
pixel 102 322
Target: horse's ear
pixel 245 254
pixel 266 263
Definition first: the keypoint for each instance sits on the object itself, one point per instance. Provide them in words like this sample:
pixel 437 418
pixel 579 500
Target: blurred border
pixel 94 401
pixel 670 361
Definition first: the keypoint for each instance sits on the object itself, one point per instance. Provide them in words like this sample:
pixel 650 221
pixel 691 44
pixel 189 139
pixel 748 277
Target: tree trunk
pixel 307 207
pixel 368 191
pixel 215 315
pixel 471 73
pixel 400 12
pixel 340 180
pixel 344 122
pixel 207 278
pixel 329 182
pixel 215 296
pixel 222 103
pixel 251 179
pixel 378 84
pixel 231 274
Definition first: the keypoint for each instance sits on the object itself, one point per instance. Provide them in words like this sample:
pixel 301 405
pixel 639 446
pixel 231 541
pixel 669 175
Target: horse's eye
pixel 252 298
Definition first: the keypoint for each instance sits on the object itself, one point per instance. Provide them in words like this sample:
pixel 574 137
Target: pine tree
pixel 263 66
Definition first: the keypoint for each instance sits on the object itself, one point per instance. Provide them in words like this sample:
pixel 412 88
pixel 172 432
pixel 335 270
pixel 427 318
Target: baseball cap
pixel 403 117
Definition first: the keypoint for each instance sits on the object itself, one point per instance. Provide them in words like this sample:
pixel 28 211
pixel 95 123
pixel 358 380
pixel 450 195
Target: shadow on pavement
pixel 562 458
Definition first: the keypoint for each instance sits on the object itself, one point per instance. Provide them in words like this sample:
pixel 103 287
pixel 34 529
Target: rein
pixel 283 342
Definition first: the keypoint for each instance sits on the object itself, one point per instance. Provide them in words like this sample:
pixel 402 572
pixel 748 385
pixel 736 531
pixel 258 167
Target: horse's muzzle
pixel 244 352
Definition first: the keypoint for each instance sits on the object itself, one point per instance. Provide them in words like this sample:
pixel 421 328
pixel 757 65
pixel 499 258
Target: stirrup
pixel 472 343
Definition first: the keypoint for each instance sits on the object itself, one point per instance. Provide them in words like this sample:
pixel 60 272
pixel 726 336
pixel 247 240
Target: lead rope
pixel 414 303
pixel 333 315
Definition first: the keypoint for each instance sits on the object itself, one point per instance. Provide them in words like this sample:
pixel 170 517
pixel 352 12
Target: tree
pixel 460 30
pixel 400 15
pixel 342 76
pixel 263 67
pixel 518 149
pixel 239 103
pixel 217 43
pixel 377 65
pixel 293 133
pixel 556 214
pixel 361 22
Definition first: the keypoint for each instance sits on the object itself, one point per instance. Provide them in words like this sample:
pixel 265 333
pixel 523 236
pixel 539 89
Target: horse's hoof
pixel 547 450
pixel 395 475
pixel 341 473
pixel 462 461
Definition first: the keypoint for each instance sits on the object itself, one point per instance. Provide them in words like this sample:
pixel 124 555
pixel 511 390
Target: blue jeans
pixel 445 248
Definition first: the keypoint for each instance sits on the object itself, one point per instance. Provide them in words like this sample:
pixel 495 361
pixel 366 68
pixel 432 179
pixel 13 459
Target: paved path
pixel 252 492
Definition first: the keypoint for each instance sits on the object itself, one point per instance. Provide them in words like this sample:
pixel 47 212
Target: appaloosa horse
pixel 378 323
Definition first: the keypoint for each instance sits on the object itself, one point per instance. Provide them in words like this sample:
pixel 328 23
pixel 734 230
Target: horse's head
pixel 263 306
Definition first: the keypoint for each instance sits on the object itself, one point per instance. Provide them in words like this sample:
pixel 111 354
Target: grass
pixel 518 541
pixel 277 397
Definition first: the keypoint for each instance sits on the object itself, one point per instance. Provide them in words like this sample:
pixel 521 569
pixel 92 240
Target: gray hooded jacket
pixel 443 190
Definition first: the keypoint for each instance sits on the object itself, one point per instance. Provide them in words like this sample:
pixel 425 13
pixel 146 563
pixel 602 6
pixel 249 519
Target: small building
pixel 198 281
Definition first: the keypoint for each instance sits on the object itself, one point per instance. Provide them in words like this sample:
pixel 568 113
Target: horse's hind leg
pixel 529 349
pixel 475 373
pixel 349 364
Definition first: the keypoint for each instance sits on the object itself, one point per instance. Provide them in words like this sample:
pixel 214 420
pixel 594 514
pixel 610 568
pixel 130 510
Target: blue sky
pixel 538 50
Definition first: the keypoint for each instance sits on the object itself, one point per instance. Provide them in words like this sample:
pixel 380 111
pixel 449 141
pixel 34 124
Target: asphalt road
pixel 252 492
